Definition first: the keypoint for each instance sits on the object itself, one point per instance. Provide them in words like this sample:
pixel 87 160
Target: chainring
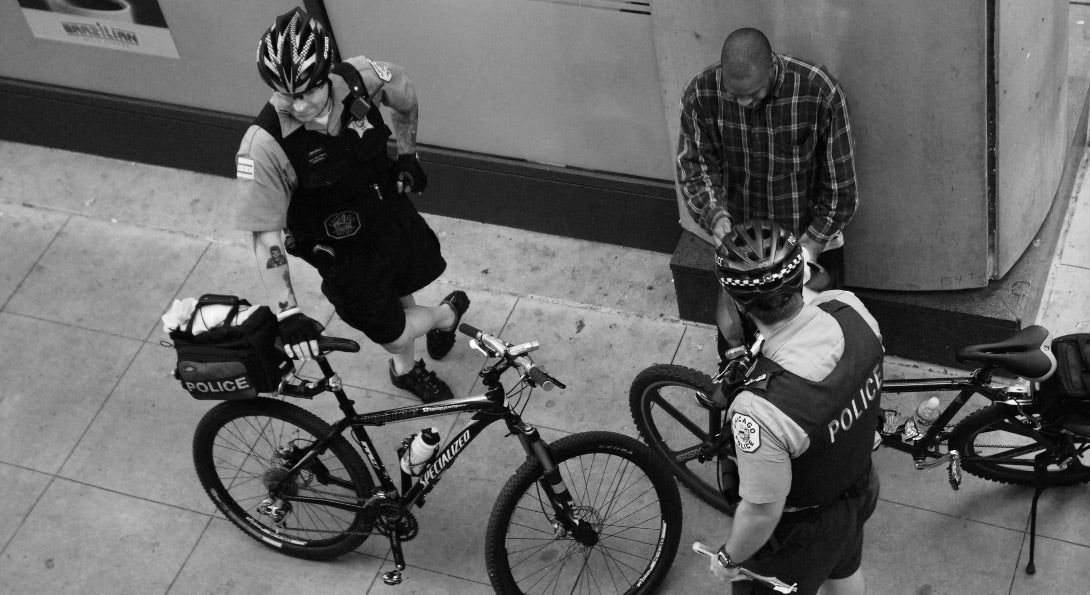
pixel 389 517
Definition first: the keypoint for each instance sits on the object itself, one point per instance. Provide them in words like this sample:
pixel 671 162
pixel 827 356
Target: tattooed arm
pixel 399 94
pixel 272 262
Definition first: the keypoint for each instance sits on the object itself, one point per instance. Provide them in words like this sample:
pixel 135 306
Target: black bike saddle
pixel 1027 353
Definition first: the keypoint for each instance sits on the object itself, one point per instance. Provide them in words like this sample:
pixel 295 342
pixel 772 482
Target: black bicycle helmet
pixel 759 258
pixel 295 53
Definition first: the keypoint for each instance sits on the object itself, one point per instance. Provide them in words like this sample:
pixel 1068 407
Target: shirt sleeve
pixel 837 199
pixel 765 440
pixel 264 182
pixel 700 174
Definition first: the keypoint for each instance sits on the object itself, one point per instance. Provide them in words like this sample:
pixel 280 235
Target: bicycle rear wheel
pixel 676 427
pixel 241 449
pixel 1009 448
pixel 632 504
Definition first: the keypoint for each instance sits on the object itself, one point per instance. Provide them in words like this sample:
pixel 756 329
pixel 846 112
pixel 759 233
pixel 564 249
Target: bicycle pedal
pixel 392 577
pixel 953 471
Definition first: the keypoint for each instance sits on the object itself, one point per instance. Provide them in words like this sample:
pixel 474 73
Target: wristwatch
pixel 724 558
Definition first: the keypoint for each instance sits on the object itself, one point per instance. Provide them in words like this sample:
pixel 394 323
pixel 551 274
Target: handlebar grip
pixel 337 344
pixel 540 378
pixel 469 329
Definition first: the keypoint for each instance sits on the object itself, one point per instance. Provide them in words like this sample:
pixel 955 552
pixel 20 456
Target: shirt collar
pixel 780 333
pixel 781 71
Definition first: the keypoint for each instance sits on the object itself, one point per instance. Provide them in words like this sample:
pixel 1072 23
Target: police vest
pixel 839 413
pixel 343 181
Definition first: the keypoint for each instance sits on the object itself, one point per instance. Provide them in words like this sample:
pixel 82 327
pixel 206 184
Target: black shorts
pixel 366 283
pixel 812 545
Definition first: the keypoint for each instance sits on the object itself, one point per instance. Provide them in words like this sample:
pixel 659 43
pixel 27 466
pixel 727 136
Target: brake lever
pixel 473 344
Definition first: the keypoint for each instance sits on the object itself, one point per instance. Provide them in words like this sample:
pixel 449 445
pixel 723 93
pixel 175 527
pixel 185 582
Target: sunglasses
pixel 302 94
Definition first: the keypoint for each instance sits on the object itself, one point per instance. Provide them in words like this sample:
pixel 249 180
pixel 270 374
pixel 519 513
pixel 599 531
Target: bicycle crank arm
pixel 772 582
pixel 921 464
pixel 953 470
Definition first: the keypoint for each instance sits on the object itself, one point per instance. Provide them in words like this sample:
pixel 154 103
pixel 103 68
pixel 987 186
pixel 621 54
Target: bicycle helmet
pixel 759 258
pixel 295 53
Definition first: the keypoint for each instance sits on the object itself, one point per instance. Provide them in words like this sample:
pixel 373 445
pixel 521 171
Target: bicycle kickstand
pixel 1039 465
pixel 393 577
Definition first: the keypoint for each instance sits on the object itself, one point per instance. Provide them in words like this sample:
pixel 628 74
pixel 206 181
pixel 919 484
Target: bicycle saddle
pixel 1027 353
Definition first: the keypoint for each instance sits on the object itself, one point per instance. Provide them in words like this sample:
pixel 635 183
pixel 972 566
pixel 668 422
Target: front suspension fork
pixel 552 483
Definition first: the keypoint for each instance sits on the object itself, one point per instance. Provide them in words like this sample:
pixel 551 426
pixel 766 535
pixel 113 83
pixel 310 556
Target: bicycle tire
pixel 614 481
pixel 668 388
pixel 990 433
pixel 235 455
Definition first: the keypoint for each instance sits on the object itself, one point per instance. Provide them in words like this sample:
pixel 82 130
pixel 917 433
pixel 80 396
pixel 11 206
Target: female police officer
pixel 314 163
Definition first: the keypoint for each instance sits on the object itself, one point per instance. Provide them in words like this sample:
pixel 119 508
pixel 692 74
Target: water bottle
pixel 926 414
pixel 421 451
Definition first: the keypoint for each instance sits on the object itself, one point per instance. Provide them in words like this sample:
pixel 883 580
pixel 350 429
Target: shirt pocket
pixel 792 152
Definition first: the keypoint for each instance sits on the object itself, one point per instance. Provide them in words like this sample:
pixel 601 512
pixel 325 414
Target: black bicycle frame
pixel 926 446
pixel 489 408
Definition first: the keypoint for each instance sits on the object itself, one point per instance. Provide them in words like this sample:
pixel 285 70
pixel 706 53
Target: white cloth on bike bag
pixel 236 359
pixel 205 317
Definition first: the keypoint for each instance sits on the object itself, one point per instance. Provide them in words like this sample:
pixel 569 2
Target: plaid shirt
pixel 790 158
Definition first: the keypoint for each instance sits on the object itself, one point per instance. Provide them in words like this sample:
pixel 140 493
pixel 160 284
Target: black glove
pixel 407 170
pixel 299 333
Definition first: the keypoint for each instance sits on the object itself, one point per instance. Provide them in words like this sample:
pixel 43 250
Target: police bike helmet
pixel 295 54
pixel 759 258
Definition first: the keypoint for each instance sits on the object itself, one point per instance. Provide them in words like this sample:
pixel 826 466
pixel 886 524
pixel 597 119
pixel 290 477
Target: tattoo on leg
pixel 277 258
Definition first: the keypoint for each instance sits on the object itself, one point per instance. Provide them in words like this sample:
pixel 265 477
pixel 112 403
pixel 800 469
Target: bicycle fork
pixel 567 522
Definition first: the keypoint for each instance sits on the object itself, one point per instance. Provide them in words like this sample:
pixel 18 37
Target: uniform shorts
pixel 812 545
pixel 366 284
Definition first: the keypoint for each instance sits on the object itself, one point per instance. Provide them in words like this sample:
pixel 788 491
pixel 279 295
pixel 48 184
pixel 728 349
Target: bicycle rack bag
pixel 230 361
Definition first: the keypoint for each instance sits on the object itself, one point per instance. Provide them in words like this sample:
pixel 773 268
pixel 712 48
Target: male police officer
pixel 803 421
pixel 314 162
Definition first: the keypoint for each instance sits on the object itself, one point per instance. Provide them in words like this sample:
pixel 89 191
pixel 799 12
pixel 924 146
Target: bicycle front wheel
pixel 242 449
pixel 676 426
pixel 630 503
pixel 997 448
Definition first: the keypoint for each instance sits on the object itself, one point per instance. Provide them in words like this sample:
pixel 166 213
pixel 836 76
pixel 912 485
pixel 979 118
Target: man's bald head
pixel 746 55
pixel 747 66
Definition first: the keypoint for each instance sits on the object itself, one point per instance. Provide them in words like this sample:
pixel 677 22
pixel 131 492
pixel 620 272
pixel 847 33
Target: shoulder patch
pixel 382 71
pixel 747 432
pixel 244 168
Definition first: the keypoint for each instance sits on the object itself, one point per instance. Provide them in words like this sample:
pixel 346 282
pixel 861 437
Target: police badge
pixel 342 225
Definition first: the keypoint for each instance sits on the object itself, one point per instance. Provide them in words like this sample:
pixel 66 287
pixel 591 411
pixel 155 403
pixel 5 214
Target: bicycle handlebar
pixel 774 583
pixel 515 354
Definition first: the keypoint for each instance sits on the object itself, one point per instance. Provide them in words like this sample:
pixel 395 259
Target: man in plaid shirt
pixel 765 135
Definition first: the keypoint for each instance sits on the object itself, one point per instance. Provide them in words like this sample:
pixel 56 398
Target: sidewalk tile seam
pixel 22 521
pixel 74 326
pixel 157 327
pixel 34 265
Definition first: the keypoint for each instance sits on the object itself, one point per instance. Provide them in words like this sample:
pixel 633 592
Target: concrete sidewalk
pixel 97 489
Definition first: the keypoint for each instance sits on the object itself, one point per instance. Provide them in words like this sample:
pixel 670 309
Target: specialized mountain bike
pixel 1011 440
pixel 592 512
